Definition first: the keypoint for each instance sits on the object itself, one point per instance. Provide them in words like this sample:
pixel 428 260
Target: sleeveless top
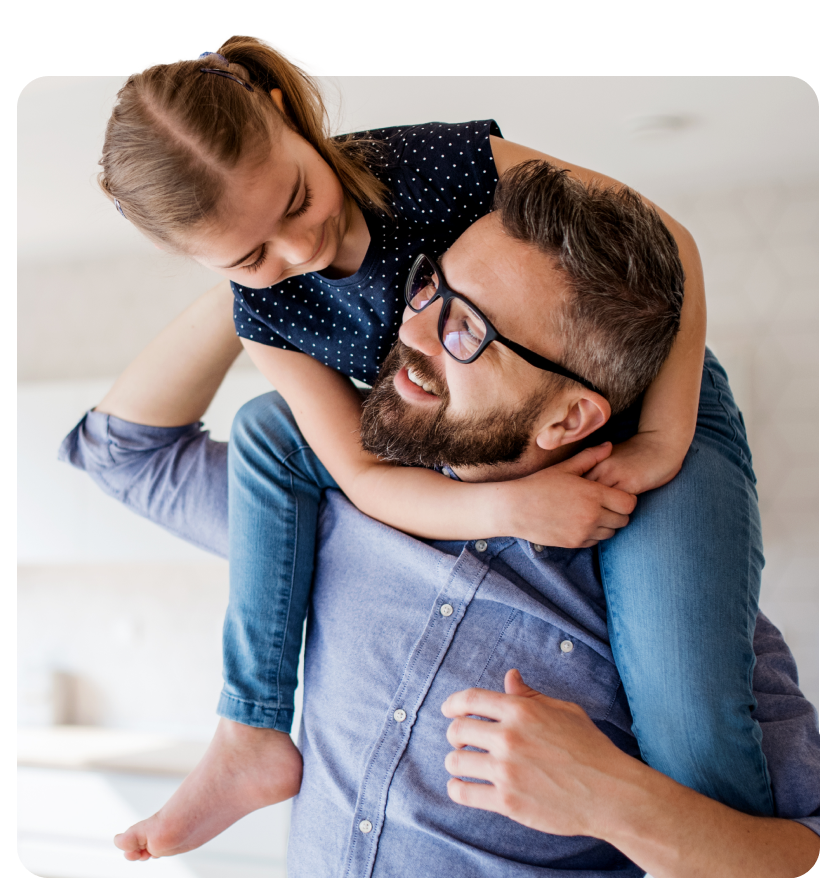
pixel 441 179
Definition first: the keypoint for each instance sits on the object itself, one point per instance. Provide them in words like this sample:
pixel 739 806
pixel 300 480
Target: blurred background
pixel 119 623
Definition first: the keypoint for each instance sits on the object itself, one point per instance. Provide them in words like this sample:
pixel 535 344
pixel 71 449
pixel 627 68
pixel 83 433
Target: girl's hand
pixel 644 462
pixel 557 506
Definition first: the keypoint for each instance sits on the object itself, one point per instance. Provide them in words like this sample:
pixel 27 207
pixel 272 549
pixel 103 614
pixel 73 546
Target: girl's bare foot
pixel 243 769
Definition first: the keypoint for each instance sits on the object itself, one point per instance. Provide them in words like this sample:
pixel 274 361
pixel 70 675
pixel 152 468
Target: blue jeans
pixel 681 581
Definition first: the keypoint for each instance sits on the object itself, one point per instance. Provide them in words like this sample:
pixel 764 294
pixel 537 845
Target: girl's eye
pixel 305 203
pixel 255 266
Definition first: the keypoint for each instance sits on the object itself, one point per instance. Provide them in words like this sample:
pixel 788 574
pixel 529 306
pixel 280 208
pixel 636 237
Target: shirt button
pixel 537 548
pixel 566 646
pixel 399 716
pixel 481 545
pixel 365 826
pixel 446 610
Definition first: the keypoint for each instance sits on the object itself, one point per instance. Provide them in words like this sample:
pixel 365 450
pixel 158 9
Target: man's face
pixel 426 408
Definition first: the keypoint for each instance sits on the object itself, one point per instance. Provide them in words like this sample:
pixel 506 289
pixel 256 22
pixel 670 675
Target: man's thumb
pixel 585 460
pixel 514 685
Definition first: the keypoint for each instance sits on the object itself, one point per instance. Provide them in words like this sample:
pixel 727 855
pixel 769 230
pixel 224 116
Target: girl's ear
pixel 278 99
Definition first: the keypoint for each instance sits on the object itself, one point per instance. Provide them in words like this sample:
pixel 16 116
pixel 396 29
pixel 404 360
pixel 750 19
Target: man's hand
pixel 550 768
pixel 644 462
pixel 549 765
pixel 557 506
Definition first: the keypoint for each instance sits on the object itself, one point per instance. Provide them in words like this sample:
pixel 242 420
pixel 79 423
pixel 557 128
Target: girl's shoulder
pixel 402 145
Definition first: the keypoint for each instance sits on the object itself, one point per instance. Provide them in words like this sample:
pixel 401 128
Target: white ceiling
pixel 720 132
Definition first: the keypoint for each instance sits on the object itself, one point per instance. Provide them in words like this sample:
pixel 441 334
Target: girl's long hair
pixel 175 134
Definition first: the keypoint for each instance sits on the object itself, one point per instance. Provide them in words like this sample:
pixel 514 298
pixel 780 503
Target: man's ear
pixel 581 416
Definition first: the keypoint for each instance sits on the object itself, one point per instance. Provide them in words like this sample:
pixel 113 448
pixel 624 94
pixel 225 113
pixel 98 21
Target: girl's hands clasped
pixel 642 463
pixel 560 506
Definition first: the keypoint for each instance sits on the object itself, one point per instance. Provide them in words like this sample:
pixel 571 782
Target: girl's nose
pixel 420 330
pixel 297 248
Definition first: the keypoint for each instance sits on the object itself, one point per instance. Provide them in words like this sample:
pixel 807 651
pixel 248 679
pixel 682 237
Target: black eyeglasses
pixel 464 332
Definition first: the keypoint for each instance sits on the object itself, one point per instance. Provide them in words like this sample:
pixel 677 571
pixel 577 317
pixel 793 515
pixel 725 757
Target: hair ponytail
pixel 174 135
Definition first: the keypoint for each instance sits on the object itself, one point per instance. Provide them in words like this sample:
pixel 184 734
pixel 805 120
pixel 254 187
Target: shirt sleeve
pixel 788 720
pixel 176 477
pixel 249 326
pixel 448 171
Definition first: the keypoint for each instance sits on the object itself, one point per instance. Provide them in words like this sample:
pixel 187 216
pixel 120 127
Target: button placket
pixel 390 745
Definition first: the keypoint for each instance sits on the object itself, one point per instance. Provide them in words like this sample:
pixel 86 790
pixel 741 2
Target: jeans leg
pixel 275 484
pixel 682 582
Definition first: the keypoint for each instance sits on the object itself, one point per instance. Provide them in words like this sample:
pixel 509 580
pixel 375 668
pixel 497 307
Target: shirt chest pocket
pixel 554 661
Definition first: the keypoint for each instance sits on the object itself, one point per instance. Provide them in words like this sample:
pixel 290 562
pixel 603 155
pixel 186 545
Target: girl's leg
pixel 275 484
pixel 682 582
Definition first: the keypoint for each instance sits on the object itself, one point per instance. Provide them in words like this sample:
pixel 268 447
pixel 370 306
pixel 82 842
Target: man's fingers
pixel 466 732
pixel 468 763
pixel 474 795
pixel 479 702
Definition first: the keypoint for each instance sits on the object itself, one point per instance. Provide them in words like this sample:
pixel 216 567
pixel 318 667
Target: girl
pixel 227 159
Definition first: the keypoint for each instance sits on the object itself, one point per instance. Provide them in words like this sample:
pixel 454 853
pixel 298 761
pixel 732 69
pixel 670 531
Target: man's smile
pixel 413 388
pixel 417 379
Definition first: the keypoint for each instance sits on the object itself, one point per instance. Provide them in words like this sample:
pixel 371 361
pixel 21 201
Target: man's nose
pixel 420 330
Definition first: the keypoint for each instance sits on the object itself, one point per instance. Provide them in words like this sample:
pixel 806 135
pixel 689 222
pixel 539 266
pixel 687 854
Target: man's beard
pixel 397 431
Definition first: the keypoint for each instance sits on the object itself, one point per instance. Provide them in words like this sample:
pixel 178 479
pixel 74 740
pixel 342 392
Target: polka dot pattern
pixel 442 179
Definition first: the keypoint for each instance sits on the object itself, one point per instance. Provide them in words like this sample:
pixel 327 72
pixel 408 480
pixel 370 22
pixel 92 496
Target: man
pixel 394 643
pixel 409 642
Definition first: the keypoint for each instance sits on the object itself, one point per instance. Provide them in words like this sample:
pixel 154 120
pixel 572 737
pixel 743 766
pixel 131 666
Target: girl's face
pixel 281 218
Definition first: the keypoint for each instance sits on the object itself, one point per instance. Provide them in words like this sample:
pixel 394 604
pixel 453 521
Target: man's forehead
pixel 506 278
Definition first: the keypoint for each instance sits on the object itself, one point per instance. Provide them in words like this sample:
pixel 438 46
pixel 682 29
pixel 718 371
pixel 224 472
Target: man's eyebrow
pixel 293 193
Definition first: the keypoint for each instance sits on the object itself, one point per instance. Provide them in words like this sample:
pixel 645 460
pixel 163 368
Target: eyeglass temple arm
pixel 548 365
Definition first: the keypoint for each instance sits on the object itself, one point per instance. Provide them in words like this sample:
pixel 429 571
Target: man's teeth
pixel 424 385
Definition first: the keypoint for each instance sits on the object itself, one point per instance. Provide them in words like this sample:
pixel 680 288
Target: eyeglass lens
pixel 462 330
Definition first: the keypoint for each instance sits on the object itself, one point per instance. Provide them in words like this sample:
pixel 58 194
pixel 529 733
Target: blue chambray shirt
pixel 396 625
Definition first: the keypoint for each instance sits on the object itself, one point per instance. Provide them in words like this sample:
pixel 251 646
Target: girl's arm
pixel 327 408
pixel 172 381
pixel 669 413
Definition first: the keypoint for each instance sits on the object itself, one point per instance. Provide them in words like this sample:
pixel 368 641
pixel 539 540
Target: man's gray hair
pixel 622 268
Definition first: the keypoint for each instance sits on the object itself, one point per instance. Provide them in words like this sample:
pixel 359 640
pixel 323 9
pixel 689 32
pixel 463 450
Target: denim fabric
pixel 274 488
pixel 682 582
pixel 377 641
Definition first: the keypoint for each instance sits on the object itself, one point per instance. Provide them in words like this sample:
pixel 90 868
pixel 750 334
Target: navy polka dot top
pixel 442 179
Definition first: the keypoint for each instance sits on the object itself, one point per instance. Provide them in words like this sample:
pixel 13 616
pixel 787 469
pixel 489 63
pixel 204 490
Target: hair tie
pixel 119 207
pixel 224 73
pixel 227 76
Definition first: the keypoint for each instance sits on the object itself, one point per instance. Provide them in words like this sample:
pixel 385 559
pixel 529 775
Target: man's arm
pixel 550 768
